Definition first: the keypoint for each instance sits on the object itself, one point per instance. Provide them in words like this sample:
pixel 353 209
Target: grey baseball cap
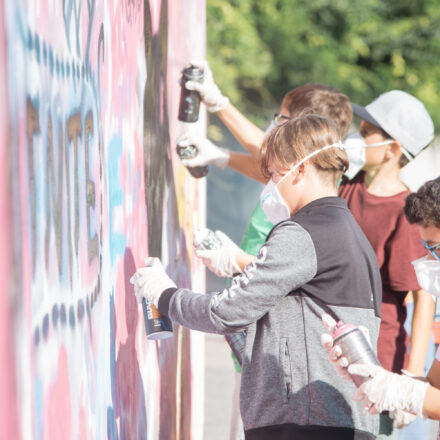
pixel 402 116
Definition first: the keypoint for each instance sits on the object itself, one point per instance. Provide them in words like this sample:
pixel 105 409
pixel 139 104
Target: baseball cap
pixel 402 116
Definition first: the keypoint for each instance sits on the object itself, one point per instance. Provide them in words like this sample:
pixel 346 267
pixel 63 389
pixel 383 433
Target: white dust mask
pixel 355 146
pixel 271 200
pixel 273 204
pixel 272 125
pixel 428 274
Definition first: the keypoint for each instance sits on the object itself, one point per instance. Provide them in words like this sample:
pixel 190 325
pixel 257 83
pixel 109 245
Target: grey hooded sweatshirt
pixel 315 262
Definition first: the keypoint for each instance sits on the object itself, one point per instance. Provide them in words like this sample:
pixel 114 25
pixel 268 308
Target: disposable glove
pixel 401 418
pixel 207 152
pixel 339 362
pixel 151 281
pixel 221 261
pixel 387 391
pixel 208 90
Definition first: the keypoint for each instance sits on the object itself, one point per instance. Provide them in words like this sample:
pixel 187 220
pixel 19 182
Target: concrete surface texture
pixel 219 386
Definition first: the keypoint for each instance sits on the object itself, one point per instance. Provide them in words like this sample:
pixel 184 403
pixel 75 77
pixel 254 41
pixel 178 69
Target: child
pixel 395 127
pixel 321 99
pixel 317 259
pixel 386 391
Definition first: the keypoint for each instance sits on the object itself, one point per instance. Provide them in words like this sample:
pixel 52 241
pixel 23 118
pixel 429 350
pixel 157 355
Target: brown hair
pixel 300 136
pixel 423 206
pixel 322 100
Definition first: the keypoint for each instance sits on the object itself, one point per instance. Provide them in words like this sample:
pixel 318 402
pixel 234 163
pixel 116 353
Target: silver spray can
pixel 189 152
pixel 355 348
pixel 205 239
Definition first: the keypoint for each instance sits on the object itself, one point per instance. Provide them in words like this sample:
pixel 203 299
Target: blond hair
pixel 294 140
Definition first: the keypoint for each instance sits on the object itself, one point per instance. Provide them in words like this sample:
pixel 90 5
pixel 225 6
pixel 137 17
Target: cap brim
pixel 362 112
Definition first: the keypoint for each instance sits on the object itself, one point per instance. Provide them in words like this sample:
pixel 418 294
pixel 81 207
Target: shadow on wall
pixel 127 388
pixel 158 171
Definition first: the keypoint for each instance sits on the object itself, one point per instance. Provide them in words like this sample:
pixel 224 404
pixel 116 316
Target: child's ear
pixel 301 172
pixel 394 149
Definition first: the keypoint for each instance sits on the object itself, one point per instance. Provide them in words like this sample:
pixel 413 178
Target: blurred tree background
pixel 260 49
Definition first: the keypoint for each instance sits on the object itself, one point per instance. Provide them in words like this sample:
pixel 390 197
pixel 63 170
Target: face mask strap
pixel 335 145
pixel 407 154
pixel 377 144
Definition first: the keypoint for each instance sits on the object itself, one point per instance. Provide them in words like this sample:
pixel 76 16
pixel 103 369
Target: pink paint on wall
pixel 87 131
pixel 9 427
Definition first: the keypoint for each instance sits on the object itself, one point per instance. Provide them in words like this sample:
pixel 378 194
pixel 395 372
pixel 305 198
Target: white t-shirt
pixel 437 355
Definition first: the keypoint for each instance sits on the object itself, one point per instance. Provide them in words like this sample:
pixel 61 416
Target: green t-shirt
pixel 254 237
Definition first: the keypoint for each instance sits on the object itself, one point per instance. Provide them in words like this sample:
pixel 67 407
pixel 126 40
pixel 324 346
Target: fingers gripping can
pixel 355 348
pixel 189 99
pixel 157 326
pixel 189 152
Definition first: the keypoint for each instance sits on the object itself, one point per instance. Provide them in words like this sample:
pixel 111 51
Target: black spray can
pixel 355 348
pixel 189 99
pixel 157 326
pixel 189 152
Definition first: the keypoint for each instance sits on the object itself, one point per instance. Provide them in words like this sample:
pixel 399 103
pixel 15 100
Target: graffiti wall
pixel 89 186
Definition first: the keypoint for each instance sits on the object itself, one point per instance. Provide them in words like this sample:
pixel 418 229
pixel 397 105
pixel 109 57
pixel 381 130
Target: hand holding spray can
pixel 189 152
pixel 157 326
pixel 189 99
pixel 355 347
pixel 205 239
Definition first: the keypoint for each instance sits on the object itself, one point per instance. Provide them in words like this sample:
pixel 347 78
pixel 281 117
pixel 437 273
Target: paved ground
pixel 219 385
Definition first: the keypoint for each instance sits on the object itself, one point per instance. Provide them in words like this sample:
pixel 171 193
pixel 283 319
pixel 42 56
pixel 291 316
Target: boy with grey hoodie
pixel 316 259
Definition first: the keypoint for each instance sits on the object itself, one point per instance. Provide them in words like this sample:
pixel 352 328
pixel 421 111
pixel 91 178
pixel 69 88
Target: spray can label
pixel 156 325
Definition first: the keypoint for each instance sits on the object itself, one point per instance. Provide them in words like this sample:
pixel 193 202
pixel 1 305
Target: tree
pixel 260 49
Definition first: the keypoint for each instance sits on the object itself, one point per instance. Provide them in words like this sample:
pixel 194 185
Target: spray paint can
pixel 189 99
pixel 189 152
pixel 355 348
pixel 236 342
pixel 205 239
pixel 157 326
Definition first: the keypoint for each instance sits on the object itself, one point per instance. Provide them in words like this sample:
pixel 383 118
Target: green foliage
pixel 260 49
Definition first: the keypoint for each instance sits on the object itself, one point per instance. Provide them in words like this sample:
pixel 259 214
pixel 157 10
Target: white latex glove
pixel 401 418
pixel 151 281
pixel 209 92
pixel 207 152
pixel 339 362
pixel 221 261
pixel 387 391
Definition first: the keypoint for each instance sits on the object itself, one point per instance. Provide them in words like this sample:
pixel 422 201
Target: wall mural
pixel 89 186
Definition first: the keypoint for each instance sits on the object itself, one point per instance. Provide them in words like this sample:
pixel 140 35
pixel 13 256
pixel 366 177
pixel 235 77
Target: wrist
pixel 220 104
pixel 223 157
pixel 415 367
pixel 414 396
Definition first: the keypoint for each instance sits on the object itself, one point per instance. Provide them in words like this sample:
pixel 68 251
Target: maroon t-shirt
pixel 396 244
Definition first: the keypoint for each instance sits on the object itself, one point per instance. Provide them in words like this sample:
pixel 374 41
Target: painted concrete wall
pixel 89 186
